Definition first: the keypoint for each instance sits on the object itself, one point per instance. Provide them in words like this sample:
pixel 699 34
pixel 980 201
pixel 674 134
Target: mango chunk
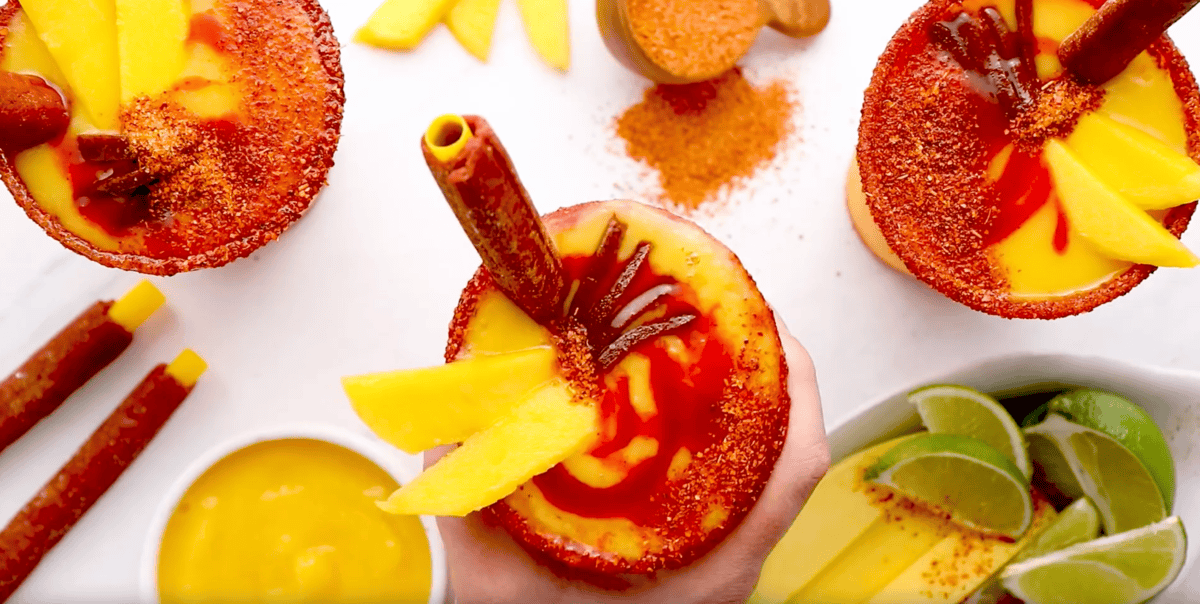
pixel 548 30
pixel 42 171
pixel 1144 97
pixel 472 22
pixel 82 37
pixel 151 35
pixel 548 426
pixel 1108 220
pixel 132 309
pixel 1140 167
pixel 402 24
pixel 418 409
pixel 26 53
pixel 959 564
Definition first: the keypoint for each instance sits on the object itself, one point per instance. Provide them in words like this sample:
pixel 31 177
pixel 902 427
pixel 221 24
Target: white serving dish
pixel 1172 397
pixel 372 449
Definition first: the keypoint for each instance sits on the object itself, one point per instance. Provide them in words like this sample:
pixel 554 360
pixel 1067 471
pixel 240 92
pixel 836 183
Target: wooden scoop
pixel 795 18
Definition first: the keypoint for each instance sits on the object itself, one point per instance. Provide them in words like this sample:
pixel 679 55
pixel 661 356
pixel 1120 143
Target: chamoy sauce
pixel 679 415
pixel 292 520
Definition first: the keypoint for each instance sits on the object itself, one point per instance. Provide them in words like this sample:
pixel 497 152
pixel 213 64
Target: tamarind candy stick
pixel 479 182
pixel 31 112
pixel 47 518
pixel 71 358
pixel 1105 44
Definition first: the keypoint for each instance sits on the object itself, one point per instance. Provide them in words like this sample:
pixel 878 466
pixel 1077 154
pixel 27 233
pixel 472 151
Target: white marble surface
pixel 368 279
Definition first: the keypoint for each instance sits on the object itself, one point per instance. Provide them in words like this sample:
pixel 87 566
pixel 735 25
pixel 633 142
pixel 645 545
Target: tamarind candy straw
pixel 481 185
pixel 45 520
pixel 31 112
pixel 71 358
pixel 1105 44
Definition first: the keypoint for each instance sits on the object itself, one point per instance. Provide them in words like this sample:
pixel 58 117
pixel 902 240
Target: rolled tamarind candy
pixel 31 112
pixel 72 357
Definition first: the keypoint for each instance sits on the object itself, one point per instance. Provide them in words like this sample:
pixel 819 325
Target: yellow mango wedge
pixel 150 37
pixel 1109 221
pixel 840 534
pixel 418 409
pixel 402 24
pixel 472 22
pixel 1140 167
pixel 26 53
pixel 81 35
pixel 548 30
pixel 548 426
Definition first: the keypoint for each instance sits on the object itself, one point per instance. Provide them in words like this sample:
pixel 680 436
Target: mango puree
pixel 292 520
pixel 1144 97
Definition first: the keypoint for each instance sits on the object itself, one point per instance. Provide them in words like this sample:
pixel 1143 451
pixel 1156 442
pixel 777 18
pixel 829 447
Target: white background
pixel 368 279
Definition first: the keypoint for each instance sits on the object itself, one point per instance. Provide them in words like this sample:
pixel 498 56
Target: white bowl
pixel 374 450
pixel 1172 398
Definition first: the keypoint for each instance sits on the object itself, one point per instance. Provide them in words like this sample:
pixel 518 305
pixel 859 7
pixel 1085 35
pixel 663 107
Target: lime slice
pixel 965 477
pixel 1110 474
pixel 966 411
pixel 1119 418
pixel 1125 568
pixel 1051 466
pixel 1077 523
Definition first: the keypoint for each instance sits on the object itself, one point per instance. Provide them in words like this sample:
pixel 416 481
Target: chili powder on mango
pixel 705 136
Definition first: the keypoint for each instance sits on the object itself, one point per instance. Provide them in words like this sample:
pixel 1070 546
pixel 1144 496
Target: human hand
pixel 487 566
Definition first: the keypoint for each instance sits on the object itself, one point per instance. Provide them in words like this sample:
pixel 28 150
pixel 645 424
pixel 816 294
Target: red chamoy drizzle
pixel 1061 232
pixel 114 212
pixel 687 417
pixel 999 68
pixel 1023 188
pixel 625 307
pixel 206 29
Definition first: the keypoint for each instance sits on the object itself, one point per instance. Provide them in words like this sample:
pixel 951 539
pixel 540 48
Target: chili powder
pixel 696 38
pixel 705 136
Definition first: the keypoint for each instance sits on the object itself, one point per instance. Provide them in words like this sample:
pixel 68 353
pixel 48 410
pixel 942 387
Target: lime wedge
pixel 1077 523
pixel 1125 568
pixel 1109 473
pixel 965 477
pixel 1052 467
pixel 1119 418
pixel 966 411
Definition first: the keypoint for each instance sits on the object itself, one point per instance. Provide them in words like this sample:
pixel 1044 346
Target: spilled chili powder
pixel 705 136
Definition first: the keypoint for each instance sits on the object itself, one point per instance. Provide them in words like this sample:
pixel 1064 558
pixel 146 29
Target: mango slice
pixel 472 22
pixel 548 426
pixel 1144 97
pixel 418 409
pixel 1140 167
pixel 548 30
pixel 1108 220
pixel 26 53
pixel 913 558
pixel 150 37
pixel 402 24
pixel 82 37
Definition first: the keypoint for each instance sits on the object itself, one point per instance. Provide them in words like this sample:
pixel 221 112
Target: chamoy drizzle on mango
pixel 1057 147
pixel 292 520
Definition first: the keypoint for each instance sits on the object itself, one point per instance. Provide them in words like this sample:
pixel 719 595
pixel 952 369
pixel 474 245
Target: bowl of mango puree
pixel 290 515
